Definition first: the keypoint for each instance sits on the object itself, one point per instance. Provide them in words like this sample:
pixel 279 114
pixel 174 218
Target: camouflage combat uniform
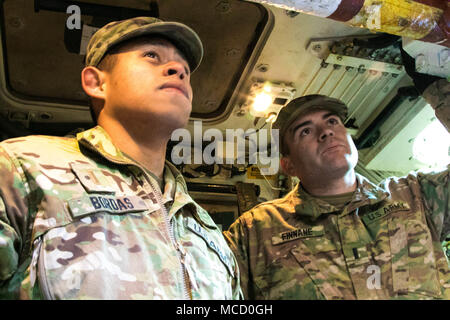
pixel 299 247
pixel 385 244
pixel 79 220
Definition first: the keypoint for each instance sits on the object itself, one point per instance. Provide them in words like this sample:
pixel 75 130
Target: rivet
pixel 232 52
pixel 15 22
pixel 317 47
pixel 223 6
pixel 262 67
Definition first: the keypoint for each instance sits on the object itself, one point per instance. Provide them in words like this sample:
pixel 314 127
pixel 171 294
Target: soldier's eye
pixel 305 132
pixel 152 54
pixel 333 121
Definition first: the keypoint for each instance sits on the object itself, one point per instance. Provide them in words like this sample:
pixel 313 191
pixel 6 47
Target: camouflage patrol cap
pixel 302 105
pixel 183 37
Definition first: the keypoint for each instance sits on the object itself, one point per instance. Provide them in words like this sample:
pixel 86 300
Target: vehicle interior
pixel 251 48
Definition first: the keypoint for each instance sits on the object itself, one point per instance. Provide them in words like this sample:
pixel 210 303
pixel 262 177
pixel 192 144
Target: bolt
pixel 339 58
pixel 402 22
pixel 317 47
pixel 45 116
pixel 15 22
pixel 210 104
pixel 232 52
pixel 241 113
pixel 262 67
pixel 291 13
pixel 223 6
pixel 362 68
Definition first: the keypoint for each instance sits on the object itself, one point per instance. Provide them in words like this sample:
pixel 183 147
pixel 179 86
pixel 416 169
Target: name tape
pixel 113 204
pixel 308 232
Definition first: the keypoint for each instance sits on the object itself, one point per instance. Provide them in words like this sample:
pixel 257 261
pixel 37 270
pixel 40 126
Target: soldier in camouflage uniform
pixel 102 216
pixel 336 235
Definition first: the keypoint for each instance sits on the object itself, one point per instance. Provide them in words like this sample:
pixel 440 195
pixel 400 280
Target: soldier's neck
pixel 326 186
pixel 145 147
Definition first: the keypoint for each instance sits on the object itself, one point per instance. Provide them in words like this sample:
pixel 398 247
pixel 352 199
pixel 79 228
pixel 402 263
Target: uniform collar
pixel 98 140
pixel 174 180
pixel 312 208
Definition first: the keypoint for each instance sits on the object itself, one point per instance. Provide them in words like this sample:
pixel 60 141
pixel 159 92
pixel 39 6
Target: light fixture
pixel 262 102
pixel 267 98
pixel 432 145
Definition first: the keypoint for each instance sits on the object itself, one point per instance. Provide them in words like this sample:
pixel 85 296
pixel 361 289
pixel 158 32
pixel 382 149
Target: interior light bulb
pixel 262 101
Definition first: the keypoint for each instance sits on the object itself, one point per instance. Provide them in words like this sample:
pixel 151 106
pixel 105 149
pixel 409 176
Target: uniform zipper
pixel 180 253
pixel 43 285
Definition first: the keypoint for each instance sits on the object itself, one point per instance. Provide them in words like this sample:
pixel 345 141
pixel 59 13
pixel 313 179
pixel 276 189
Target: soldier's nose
pixel 173 71
pixel 326 133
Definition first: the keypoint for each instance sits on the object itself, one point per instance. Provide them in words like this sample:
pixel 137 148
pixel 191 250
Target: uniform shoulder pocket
pixel 92 179
pixel 219 247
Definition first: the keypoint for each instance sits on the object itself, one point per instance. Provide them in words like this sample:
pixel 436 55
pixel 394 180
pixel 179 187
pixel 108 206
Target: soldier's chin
pixel 177 120
pixel 338 170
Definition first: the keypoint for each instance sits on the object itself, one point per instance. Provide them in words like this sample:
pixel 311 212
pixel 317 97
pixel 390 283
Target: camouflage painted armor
pixel 79 220
pixel 385 244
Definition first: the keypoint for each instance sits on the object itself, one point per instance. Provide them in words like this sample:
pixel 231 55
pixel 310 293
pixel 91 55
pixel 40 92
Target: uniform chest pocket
pixel 298 265
pixel 413 262
pixel 282 277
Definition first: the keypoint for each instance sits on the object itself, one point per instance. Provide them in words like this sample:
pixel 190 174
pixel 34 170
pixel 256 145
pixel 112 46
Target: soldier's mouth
pixel 333 148
pixel 176 87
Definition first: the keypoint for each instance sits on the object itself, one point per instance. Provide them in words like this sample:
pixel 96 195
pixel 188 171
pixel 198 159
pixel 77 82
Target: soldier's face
pixel 319 147
pixel 150 82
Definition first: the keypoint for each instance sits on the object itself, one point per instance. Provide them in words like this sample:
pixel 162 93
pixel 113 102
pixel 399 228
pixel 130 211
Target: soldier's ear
pixel 93 82
pixel 288 166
